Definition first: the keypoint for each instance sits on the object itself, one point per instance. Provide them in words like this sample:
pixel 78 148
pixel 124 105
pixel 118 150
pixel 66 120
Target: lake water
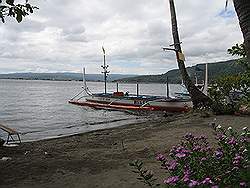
pixel 40 109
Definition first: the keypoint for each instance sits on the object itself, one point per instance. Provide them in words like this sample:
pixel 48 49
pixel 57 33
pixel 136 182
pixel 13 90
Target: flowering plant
pixel 194 163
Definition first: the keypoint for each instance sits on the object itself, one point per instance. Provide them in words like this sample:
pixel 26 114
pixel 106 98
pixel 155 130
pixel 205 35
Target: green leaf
pixel 2 18
pixel 131 164
pixel 19 18
pixel 19 14
pixel 10 2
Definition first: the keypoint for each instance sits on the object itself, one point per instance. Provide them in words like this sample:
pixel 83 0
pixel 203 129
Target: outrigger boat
pixel 202 87
pixel 124 101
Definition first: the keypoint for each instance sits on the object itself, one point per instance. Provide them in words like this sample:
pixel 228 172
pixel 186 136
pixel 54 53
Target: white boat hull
pixel 136 103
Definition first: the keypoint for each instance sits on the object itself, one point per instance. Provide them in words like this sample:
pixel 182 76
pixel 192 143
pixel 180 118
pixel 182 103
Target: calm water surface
pixel 39 109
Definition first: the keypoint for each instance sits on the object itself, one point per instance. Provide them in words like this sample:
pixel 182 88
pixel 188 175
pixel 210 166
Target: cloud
pixel 65 35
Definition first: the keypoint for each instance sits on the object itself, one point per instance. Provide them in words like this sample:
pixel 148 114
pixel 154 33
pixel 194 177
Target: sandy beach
pixel 101 158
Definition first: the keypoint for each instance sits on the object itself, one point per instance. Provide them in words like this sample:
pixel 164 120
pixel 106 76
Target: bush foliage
pixel 194 163
pixel 229 93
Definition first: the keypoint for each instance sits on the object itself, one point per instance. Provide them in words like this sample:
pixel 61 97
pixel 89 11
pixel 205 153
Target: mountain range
pixel 214 71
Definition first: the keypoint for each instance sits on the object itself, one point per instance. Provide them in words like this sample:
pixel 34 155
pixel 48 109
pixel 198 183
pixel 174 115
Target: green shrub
pixel 194 163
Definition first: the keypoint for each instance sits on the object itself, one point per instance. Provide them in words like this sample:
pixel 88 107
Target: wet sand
pixel 100 158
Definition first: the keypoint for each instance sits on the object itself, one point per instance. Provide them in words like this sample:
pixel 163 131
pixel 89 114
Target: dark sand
pixel 98 159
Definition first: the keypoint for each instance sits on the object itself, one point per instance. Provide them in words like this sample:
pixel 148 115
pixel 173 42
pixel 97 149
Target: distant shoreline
pixel 86 80
pixel 47 79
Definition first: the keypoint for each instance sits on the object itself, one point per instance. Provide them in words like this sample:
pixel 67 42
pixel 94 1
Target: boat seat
pixel 118 94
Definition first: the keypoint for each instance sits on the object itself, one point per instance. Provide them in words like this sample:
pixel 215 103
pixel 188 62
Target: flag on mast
pixel 103 50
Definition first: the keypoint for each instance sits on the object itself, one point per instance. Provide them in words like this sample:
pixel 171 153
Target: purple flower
pixel 186 176
pixel 232 141
pixel 238 157
pixel 203 159
pixel 243 184
pixel 215 186
pixel 220 137
pixel 197 148
pixel 193 183
pixel 236 162
pixel 207 181
pixel 171 180
pixel 180 155
pixel 172 165
pixel 187 172
pixel 179 149
pixel 160 157
pixel 218 153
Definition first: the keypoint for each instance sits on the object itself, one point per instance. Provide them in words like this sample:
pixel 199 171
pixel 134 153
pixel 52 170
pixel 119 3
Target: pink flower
pixel 238 157
pixel 243 184
pixel 197 148
pixel 171 180
pixel 203 159
pixel 186 178
pixel 160 157
pixel 237 160
pixel 220 137
pixel 215 186
pixel 193 183
pixel 207 181
pixel 218 154
pixel 180 155
pixel 232 141
pixel 172 165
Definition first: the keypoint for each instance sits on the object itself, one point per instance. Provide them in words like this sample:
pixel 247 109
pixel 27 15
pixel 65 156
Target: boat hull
pixel 136 103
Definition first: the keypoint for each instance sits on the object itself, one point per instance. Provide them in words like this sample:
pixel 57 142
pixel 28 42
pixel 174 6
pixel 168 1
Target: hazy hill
pixel 61 76
pixel 214 70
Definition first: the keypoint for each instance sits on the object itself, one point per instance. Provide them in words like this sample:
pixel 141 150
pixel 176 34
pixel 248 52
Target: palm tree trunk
pixel 242 8
pixel 198 98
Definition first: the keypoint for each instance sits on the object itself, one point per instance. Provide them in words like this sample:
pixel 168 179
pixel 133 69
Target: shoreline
pixel 139 120
pixel 100 158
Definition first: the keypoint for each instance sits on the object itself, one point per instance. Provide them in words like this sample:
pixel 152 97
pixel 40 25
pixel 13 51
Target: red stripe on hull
pixel 102 105
pixel 119 106
pixel 153 108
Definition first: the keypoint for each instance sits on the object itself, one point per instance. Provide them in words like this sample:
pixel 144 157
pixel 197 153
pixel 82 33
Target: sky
pixel 65 35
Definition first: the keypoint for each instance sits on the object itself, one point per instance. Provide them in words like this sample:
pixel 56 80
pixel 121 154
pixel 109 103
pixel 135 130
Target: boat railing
pixel 112 102
pixel 156 100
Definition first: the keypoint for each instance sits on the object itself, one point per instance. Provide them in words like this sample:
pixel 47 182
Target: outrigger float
pixel 124 101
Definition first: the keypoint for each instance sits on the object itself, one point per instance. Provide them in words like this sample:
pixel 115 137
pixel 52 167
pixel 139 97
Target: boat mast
pixel 83 78
pixel 105 70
